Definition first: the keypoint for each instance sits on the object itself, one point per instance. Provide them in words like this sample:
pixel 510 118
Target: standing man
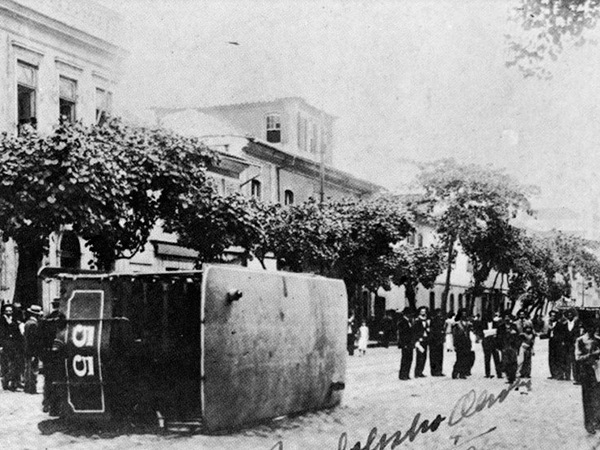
pixel 523 321
pixel 449 324
pixel 387 326
pixel 587 353
pixel 554 344
pixel 571 333
pixel 32 348
pixel 351 337
pixel 462 345
pixel 11 342
pixel 421 331
pixel 436 343
pixel 49 329
pixel 405 342
pixel 490 345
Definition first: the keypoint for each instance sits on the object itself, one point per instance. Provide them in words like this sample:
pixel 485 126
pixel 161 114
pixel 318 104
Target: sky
pixel 408 80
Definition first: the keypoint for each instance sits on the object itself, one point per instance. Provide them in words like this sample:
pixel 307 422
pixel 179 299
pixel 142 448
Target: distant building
pixel 290 124
pixel 278 151
pixel 290 143
pixel 461 280
pixel 60 58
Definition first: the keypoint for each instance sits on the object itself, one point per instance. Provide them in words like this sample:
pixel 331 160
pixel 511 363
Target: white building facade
pixel 61 58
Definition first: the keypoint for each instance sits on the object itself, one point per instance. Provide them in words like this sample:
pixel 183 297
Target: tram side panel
pixel 86 342
pixel 278 349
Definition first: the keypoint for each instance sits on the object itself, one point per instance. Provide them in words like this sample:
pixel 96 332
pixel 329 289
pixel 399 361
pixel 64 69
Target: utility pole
pixel 322 176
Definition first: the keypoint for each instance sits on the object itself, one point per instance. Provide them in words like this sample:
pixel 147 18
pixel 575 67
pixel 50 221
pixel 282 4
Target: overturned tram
pixel 221 348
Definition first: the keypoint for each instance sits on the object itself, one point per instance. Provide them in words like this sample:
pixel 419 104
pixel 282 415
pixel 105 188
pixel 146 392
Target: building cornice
pixel 60 29
pixel 312 169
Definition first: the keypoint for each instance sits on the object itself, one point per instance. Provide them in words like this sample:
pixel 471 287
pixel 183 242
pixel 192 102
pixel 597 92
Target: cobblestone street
pixel 547 417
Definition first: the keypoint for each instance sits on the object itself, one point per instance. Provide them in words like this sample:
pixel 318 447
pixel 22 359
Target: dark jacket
pixel 461 337
pixel 567 337
pixel 10 333
pixel 421 331
pixel 405 333
pixel 438 332
pixel 32 337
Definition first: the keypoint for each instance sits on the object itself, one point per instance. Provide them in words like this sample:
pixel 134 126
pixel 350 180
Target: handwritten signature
pixel 467 406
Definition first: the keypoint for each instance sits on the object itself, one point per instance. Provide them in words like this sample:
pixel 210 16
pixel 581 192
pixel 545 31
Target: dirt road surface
pixel 545 414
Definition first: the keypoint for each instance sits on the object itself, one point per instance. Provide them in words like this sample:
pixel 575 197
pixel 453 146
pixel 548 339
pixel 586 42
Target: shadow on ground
pixel 103 430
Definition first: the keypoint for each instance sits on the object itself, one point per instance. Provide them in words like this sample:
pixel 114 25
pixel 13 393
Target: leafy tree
pixel 547 25
pixel 351 240
pixel 110 183
pixel 468 204
pixel 543 270
pixel 536 273
pixel 373 227
pixel 306 237
pixel 212 223
pixel 417 265
pixel 495 250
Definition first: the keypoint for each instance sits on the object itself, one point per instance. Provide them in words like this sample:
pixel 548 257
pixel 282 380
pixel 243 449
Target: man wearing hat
pixel 11 343
pixel 32 348
pixel 48 331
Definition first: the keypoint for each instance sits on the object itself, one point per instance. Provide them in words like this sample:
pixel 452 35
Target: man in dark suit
pixel 490 345
pixel 405 342
pixel 436 343
pixel 11 342
pixel 32 341
pixel 554 344
pixel 421 332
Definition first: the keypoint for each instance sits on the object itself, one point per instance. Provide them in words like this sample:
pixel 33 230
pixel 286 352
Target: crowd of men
pixel 507 342
pixel 27 340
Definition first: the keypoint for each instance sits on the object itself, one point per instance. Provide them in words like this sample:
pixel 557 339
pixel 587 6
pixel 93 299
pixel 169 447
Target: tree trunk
pixel 411 295
pixel 355 305
pixel 27 286
pixel 446 290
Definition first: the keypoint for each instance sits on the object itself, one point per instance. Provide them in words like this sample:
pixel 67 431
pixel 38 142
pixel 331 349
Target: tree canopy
pixel 109 183
pixel 468 204
pixel 547 26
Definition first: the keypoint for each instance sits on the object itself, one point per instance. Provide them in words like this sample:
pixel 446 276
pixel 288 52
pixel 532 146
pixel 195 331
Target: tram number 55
pixel 83 336
pixel 85 390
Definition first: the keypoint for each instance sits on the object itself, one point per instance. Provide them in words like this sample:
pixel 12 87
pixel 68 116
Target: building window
pixel 273 128
pixel 26 94
pixel 255 189
pixel 460 301
pixel 431 301
pixel 299 133
pixel 288 197
pixel 452 303
pixel 411 238
pixel 70 251
pixel 67 98
pixel 303 137
pixel 323 141
pixel 103 104
pixel 313 139
pixel 420 240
